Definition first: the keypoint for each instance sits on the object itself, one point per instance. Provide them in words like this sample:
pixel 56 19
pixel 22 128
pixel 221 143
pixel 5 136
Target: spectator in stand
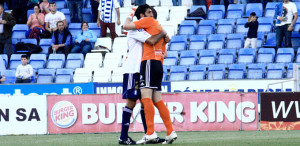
pixel 20 11
pixel 35 23
pixel 84 40
pixel 24 71
pixel 286 16
pixel 94 7
pixel 108 14
pixel 61 39
pixel 75 7
pixel 44 6
pixel 252 32
pixel 32 3
pixel 176 2
pixel 7 22
pixel 51 20
pixel 139 2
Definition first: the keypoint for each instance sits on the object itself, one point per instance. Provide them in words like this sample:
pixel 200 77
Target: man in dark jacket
pixel 61 40
pixel 20 11
pixel 7 23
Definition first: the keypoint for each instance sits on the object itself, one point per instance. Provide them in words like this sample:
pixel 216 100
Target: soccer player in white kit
pixel 131 78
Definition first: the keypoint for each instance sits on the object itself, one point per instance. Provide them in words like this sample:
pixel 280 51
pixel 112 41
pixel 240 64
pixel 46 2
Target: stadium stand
pixel 37 61
pixel 275 71
pixel 235 41
pixel 82 75
pixel 197 72
pixel 254 7
pixel 235 11
pixel 206 27
pixel 207 57
pixel 256 71
pixel 236 71
pixel 227 56
pixel 216 41
pixel 197 42
pixel 225 26
pixel 64 76
pixel 178 43
pixel 56 61
pixel 187 27
pixel 178 73
pixel 45 76
pixel 216 72
pixel 216 12
pixel 74 60
pixel 266 55
pixel 188 57
pixel 246 55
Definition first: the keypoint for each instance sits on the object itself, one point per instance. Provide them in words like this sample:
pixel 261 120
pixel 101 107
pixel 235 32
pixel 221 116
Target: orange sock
pixel 165 115
pixel 149 114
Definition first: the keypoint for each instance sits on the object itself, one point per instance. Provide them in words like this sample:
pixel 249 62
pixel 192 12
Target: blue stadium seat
pixel 165 74
pixel 95 29
pixel 216 72
pixel 297 60
pixel 271 40
pixel 207 57
pixel 74 60
pixel 19 31
pixel 254 7
pixel 297 25
pixel 270 9
pixel 216 12
pixel 256 71
pixel 285 55
pixel 225 26
pixel 265 55
pixel 227 56
pixel 265 25
pixel 236 71
pixel 15 60
pixel 289 71
pixel 87 15
pixel 5 59
pixel 74 28
pixel 29 12
pixel 260 40
pixel 235 11
pixel 67 14
pixel 235 41
pixel 195 7
pixel 178 73
pixel 295 40
pixel 172 59
pixel 240 26
pixel 188 57
pixel 246 55
pixel 178 43
pixel 206 27
pixel 187 27
pixel 60 4
pixel 31 41
pixel 45 76
pixel 45 44
pixel 56 61
pixel 10 76
pixel 64 76
pixel 275 71
pixel 216 41
pixel 197 72
pixel 37 61
pixel 197 42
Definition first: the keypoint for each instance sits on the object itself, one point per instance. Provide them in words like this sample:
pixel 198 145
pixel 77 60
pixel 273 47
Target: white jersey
pixel 135 40
pixel 288 12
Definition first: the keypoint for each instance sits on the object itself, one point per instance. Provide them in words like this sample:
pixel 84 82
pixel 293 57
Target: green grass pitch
pixel 238 138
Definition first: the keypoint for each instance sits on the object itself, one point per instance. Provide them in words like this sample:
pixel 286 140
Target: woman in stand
pixel 84 40
pixel 36 23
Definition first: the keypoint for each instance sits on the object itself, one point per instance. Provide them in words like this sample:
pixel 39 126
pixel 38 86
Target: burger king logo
pixel 64 114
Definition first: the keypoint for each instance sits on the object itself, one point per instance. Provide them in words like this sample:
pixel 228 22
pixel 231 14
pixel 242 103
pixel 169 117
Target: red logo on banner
pixel 64 114
pixel 189 112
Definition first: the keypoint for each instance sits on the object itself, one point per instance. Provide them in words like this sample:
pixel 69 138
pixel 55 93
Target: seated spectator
pixel 84 40
pixel 61 40
pixel 51 19
pixel 35 23
pixel 24 71
pixel 2 79
pixel 6 25
pixel 45 7
pixel 32 3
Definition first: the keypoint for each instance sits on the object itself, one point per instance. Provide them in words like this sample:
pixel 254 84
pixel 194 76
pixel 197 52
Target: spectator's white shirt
pixel 288 12
pixel 24 71
pixel 108 10
pixel 135 40
pixel 54 18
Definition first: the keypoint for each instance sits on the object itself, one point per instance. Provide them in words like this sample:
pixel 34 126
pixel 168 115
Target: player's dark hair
pixel 154 13
pixel 253 14
pixel 24 56
pixel 141 10
pixel 51 3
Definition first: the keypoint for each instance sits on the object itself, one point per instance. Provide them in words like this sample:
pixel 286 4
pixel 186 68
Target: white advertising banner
pixel 23 115
pixel 230 85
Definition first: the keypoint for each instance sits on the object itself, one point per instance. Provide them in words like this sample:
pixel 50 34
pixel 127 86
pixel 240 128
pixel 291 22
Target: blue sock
pixel 143 119
pixel 125 122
